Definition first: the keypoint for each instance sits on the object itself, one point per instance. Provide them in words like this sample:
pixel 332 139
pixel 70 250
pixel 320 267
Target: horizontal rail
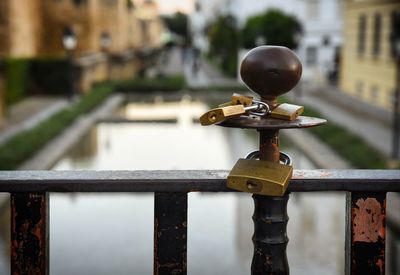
pixel 189 181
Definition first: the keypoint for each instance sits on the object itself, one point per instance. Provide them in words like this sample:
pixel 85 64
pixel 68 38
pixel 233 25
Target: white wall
pixel 320 18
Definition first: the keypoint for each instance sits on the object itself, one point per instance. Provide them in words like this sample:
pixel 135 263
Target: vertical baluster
pixel 29 233
pixel 170 233
pixel 270 220
pixel 365 233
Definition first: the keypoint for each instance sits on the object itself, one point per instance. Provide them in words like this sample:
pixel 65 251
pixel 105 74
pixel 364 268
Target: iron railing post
pixel 270 219
pixel 29 233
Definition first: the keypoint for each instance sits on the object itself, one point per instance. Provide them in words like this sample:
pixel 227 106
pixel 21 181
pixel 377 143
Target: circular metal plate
pixel 255 122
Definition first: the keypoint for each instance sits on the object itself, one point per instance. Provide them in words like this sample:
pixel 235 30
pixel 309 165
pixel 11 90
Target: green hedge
pixel 25 144
pixel 16 78
pixel 158 84
pixel 27 76
pixel 348 145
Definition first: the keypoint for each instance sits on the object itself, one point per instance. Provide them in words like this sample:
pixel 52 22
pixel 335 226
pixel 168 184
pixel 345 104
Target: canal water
pixel 111 233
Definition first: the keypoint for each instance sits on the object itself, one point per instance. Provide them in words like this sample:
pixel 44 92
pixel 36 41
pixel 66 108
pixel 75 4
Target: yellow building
pixel 368 67
pixel 35 27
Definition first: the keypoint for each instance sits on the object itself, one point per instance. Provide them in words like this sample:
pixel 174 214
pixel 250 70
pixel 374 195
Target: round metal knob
pixel 270 71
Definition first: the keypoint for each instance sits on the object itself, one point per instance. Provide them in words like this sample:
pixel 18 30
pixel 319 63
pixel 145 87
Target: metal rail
pixel 190 181
pixel 365 211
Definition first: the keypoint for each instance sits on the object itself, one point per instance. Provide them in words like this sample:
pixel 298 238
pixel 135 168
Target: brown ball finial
pixel 270 71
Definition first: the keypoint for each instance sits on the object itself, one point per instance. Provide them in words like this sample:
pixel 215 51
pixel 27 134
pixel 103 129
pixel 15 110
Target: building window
pixel 312 9
pixel 374 92
pixel 109 2
pixel 79 2
pixel 395 31
pixel 197 6
pixel 360 88
pixel 326 40
pixel 311 56
pixel 376 43
pixel 362 26
pixel 130 5
pixel 3 12
pixel 391 97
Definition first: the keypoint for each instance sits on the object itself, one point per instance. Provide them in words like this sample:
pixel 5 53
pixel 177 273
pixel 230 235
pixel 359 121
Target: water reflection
pixel 112 233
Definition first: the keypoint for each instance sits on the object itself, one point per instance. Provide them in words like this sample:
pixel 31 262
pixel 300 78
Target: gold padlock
pixel 244 100
pixel 260 177
pixel 287 111
pixel 223 113
pixel 220 114
pixel 237 99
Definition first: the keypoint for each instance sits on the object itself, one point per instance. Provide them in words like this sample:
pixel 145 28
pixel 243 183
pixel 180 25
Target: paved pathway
pixel 372 129
pixel 47 156
pixel 28 113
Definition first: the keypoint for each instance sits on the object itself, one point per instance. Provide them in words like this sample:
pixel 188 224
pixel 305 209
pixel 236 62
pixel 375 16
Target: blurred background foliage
pixel 273 27
pixel 177 23
pixel 224 38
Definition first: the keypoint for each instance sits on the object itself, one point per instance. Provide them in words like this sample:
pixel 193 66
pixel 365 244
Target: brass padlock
pixel 244 100
pixel 237 99
pixel 260 177
pixel 287 111
pixel 222 113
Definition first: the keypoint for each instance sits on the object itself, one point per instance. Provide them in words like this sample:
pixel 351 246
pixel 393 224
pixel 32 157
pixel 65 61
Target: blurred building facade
pixel 320 43
pixel 35 28
pixel 368 65
pixel 321 20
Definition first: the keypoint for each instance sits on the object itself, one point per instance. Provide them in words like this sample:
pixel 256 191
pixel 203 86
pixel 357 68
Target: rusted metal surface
pixel 251 122
pixel 29 234
pixel 366 232
pixel 270 238
pixel 270 219
pixel 269 145
pixel 190 181
pixel 170 233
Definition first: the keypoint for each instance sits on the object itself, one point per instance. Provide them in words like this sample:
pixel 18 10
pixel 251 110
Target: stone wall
pixel 24 26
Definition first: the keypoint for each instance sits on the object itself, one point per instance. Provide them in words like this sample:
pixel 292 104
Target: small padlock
pixel 287 111
pixel 237 99
pixel 260 177
pixel 244 100
pixel 223 113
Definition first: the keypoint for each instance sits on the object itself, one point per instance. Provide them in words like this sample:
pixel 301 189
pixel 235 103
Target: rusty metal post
pixel 29 233
pixel 270 219
pixel 270 239
pixel 365 233
pixel 270 71
pixel 170 233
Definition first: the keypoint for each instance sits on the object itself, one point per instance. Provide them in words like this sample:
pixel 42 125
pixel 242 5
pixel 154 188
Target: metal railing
pixel 365 211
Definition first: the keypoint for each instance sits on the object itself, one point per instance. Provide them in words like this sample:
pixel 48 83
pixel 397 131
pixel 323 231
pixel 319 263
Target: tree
pixel 178 24
pixel 273 26
pixel 223 36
